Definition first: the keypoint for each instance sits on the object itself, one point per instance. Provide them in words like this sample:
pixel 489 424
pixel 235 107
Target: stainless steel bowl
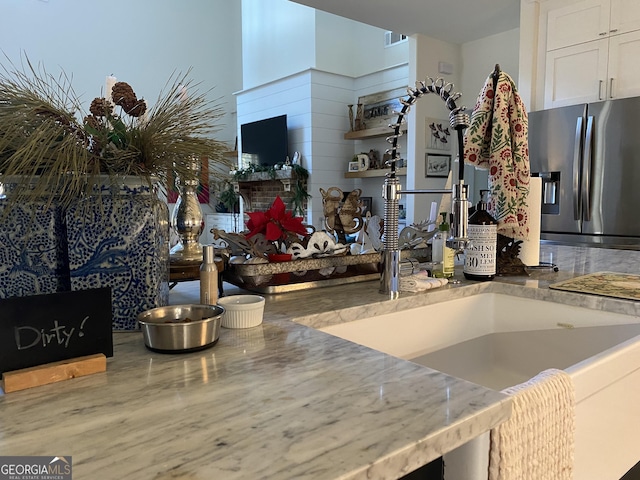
pixel 181 328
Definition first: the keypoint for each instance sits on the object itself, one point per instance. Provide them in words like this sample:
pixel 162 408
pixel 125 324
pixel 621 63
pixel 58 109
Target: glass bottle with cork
pixel 480 254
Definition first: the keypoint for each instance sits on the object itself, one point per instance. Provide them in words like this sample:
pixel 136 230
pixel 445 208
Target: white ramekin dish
pixel 242 311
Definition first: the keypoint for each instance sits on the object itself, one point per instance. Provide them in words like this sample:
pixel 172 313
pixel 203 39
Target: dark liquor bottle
pixel 480 255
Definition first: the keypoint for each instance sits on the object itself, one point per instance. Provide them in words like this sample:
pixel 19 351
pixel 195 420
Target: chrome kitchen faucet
pixel 391 192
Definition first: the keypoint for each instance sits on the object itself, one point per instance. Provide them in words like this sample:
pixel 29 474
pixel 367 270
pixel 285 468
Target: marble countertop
pixel 281 400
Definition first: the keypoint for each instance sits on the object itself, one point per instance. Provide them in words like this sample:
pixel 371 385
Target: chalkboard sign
pixel 41 329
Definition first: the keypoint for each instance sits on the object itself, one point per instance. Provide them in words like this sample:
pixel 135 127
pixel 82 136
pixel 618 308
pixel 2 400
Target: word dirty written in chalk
pixel 60 335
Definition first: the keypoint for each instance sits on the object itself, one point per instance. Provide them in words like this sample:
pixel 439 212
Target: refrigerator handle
pixel 586 170
pixel 577 152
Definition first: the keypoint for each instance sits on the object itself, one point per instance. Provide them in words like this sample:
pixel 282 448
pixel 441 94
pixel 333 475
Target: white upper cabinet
pixel 577 23
pixel 592 51
pixel 624 68
pixel 576 74
pixel 625 16
pixel 591 20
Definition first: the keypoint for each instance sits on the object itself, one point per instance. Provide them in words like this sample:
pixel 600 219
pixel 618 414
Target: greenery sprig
pixel 299 190
pixel 51 149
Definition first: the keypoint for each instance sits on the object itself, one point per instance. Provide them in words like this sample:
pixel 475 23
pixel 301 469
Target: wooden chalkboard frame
pixel 41 329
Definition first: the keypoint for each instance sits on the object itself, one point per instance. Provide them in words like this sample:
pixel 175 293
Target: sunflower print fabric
pixel 497 140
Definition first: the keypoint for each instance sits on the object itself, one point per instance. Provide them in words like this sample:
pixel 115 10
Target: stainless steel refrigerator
pixel 589 159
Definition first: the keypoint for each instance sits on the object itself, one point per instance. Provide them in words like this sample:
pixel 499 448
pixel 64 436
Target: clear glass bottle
pixel 208 277
pixel 480 255
pixel 442 254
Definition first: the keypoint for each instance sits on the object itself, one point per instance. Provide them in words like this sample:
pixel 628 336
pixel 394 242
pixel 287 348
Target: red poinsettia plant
pixel 277 225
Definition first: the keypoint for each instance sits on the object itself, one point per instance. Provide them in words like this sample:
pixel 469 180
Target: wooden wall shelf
pixel 371 133
pixel 378 172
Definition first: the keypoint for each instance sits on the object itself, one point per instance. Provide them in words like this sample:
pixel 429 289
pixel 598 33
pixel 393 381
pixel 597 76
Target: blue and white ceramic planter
pixel 33 249
pixel 120 239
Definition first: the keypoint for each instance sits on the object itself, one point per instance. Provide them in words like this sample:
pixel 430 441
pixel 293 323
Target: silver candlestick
pixel 187 219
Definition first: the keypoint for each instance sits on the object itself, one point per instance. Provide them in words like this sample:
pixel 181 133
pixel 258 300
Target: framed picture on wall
pixel 437 134
pixel 379 108
pixel 437 165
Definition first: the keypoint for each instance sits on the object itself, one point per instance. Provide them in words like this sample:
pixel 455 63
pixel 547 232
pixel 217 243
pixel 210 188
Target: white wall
pixel 278 39
pixel 529 53
pixel 336 40
pixel 330 93
pixel 479 59
pixel 281 38
pixel 353 48
pixel 142 43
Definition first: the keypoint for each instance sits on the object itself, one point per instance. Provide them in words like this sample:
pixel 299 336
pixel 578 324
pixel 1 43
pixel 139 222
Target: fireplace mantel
pixel 286 175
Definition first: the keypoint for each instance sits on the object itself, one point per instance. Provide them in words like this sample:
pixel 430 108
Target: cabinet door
pixel 578 23
pixel 625 16
pixel 624 68
pixel 576 74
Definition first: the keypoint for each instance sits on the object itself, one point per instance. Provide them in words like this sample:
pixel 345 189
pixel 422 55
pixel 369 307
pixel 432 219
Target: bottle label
pixel 448 263
pixel 480 256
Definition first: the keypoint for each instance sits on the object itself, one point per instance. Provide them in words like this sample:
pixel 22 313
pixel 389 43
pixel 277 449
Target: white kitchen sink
pixel 498 341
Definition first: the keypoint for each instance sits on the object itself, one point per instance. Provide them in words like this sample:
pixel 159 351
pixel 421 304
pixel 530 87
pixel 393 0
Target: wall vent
pixel 393 38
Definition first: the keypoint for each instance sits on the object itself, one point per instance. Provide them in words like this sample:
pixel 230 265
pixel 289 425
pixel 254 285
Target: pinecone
pixel 100 107
pixel 92 120
pixel 137 109
pixel 123 95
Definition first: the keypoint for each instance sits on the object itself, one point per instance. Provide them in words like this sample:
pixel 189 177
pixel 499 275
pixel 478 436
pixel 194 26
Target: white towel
pixel 537 442
pixel 419 282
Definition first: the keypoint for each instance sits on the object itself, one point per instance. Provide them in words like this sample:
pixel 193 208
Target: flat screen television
pixel 265 142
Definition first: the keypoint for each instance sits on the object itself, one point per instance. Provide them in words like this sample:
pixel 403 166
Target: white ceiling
pixel 453 21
